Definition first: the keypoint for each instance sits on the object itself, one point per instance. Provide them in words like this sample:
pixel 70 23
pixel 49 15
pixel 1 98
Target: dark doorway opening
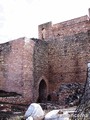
pixel 42 92
pixel 49 98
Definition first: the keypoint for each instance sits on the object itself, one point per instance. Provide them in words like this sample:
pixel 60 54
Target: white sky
pixel 20 18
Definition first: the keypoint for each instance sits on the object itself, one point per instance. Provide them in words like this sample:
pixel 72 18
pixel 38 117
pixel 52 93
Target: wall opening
pixel 43 33
pixel 49 98
pixel 42 91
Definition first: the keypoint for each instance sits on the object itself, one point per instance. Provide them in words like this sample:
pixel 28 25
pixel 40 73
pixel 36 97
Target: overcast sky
pixel 20 18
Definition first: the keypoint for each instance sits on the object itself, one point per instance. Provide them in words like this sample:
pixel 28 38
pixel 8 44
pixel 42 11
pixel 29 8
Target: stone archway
pixel 42 91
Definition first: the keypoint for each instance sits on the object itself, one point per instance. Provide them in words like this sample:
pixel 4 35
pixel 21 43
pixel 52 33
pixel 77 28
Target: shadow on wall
pixel 8 94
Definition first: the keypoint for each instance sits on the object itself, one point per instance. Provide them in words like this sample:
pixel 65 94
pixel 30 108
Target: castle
pixel 34 70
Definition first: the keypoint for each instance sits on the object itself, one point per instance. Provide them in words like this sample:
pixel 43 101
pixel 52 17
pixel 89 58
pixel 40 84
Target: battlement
pixel 71 22
pixel 66 28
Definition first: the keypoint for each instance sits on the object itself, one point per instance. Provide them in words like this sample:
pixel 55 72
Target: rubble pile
pixel 70 94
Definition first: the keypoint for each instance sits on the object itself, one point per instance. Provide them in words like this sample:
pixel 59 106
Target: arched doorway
pixel 42 91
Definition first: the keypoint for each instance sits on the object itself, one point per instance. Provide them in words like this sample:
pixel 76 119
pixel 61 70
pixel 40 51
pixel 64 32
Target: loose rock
pixel 35 111
pixel 57 115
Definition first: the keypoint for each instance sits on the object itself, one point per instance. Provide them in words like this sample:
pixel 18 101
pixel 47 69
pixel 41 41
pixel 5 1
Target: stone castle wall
pixel 31 67
pixel 68 58
pixel 63 29
pixel 40 66
pixel 4 52
pixel 23 65
pixel 69 51
pixel 17 70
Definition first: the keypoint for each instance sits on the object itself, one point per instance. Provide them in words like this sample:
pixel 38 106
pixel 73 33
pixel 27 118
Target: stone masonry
pixel 37 69
pixel 22 69
pixel 69 52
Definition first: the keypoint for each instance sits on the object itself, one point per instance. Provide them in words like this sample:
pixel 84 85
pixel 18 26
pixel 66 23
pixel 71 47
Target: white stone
pixel 29 118
pixel 51 115
pixel 65 115
pixel 55 115
pixel 88 64
pixel 35 111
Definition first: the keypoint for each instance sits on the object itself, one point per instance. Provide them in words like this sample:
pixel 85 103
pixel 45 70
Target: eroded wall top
pixel 48 31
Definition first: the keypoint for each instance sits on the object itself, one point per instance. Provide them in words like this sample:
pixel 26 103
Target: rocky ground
pixel 11 111
pixel 16 112
pixel 68 95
